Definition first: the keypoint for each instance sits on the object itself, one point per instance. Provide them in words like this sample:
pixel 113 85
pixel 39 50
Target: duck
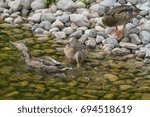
pixel 119 15
pixel 75 52
pixel 44 64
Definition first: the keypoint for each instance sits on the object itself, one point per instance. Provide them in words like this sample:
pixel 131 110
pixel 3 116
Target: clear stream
pixel 99 78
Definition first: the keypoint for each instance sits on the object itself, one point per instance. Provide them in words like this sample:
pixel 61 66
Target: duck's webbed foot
pixel 119 33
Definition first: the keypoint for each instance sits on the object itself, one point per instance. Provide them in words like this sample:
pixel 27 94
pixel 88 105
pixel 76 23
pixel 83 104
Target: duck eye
pixel 130 11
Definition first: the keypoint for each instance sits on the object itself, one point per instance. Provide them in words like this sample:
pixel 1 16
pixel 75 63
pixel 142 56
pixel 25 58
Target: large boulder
pixel 66 5
pixel 38 4
pixel 79 20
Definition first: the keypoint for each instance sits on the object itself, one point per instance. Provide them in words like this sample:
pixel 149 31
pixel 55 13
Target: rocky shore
pixel 82 19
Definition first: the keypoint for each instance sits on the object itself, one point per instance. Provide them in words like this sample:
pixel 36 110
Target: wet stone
pixel 146 96
pixel 125 87
pixel 14 93
pixel 111 77
pixel 108 96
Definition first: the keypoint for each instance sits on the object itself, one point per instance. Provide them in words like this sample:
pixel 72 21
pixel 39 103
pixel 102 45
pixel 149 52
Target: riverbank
pixel 66 18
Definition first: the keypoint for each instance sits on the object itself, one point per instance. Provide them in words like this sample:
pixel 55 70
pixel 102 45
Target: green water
pixel 100 77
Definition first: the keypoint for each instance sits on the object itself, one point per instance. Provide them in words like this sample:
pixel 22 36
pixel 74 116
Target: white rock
pixel 141 53
pixel 134 39
pixel 80 4
pixel 91 33
pixel 147 60
pixel 9 20
pixel 110 40
pixel 108 2
pixel 129 26
pixel 79 20
pixel 120 51
pixel 74 26
pixel 48 17
pixel 57 24
pixel 145 37
pixel 147 45
pixel 15 5
pixel 86 14
pixel 53 7
pixel 68 30
pixel 91 43
pixel 99 29
pixel 98 8
pixel 146 25
pixel 82 28
pixel 83 38
pixel 128 45
pixel 15 14
pixel 34 27
pixel 81 10
pixel 125 39
pixel 133 1
pixel 99 39
pixel 60 35
pixel 64 18
pixel 77 34
pixel 18 20
pixel 147 53
pixel 58 13
pixel 136 21
pixel 107 48
pixel 39 31
pixel 122 1
pixel 66 5
pixel 26 4
pixel 24 12
pixel 35 18
pixel 45 25
pixel 53 30
pixel 109 30
pixel 99 21
pixel 38 4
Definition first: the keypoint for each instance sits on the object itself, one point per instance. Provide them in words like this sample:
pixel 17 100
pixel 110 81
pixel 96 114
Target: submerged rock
pixel 111 77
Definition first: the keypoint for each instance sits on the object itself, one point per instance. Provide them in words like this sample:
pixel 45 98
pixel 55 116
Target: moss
pixel 6 70
pixel 11 94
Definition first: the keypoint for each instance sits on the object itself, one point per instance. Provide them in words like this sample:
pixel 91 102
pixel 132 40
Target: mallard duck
pixel 119 15
pixel 44 64
pixel 75 51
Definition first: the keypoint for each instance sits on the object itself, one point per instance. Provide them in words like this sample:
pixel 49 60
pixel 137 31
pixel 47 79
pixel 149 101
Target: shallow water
pixel 100 77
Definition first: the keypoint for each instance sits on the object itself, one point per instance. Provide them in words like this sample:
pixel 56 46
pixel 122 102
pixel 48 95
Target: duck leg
pixel 118 32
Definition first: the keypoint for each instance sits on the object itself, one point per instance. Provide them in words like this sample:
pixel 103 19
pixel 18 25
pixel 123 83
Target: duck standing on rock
pixel 45 63
pixel 75 51
pixel 119 15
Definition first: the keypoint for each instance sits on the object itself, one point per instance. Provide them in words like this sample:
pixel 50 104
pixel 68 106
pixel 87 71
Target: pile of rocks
pixel 83 21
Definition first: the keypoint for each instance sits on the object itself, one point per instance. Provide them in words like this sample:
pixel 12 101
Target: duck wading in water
pixel 75 52
pixel 45 64
pixel 119 15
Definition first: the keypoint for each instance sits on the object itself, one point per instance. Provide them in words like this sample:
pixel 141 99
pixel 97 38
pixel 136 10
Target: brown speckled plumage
pixel 71 50
pixel 120 15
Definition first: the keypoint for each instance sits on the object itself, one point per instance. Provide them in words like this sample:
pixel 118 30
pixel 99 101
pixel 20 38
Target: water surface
pixel 100 77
